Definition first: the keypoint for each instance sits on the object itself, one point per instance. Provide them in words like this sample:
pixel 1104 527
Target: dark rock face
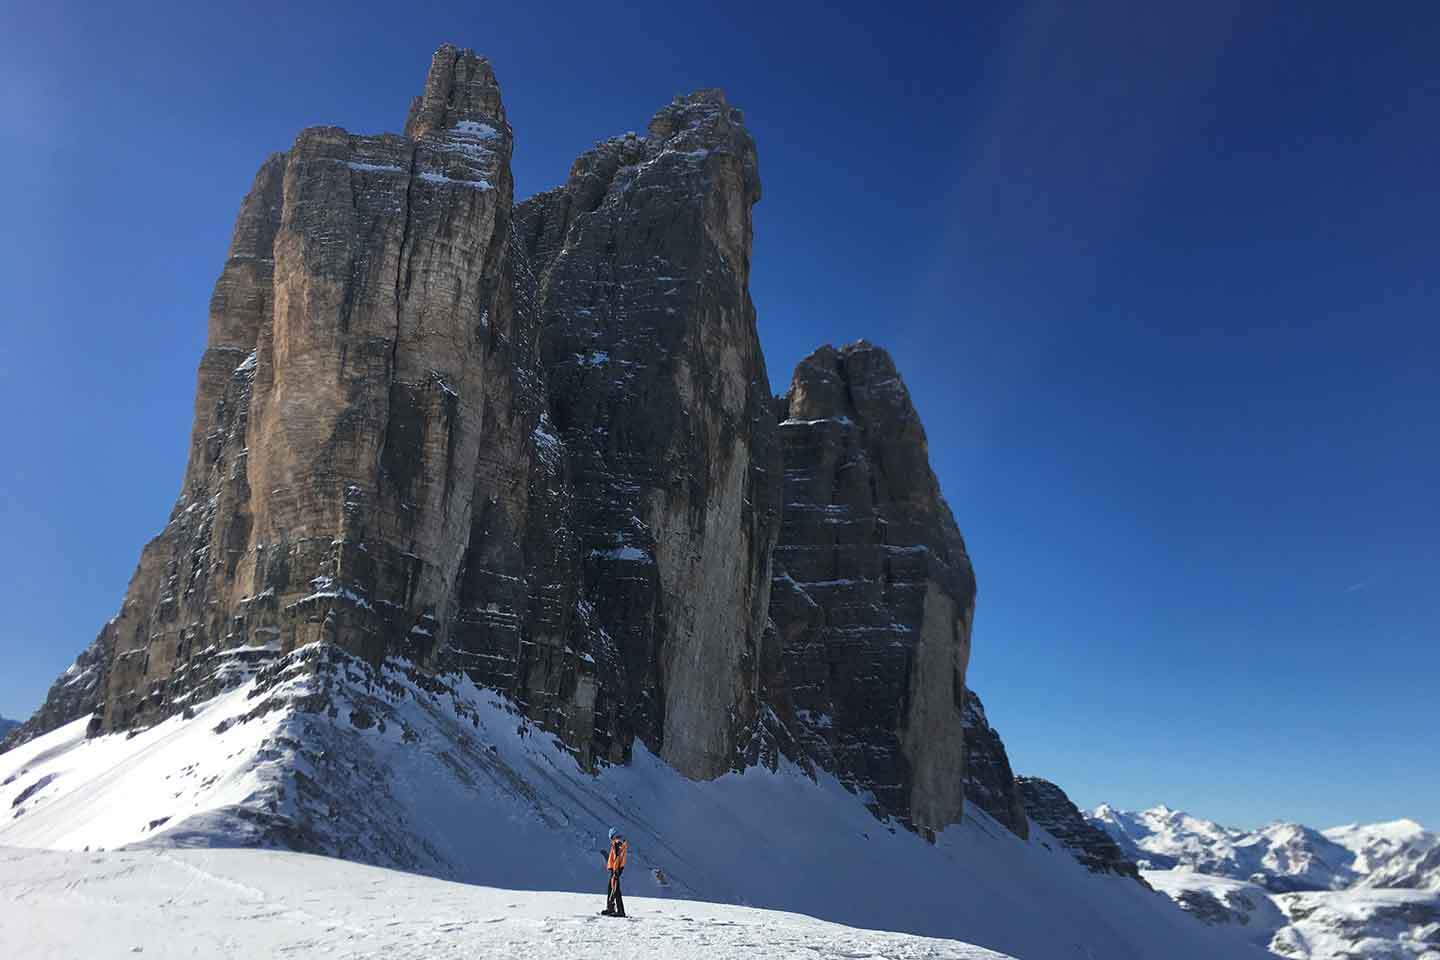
pixel 7 726
pixel 989 781
pixel 658 390
pixel 1052 810
pixel 1235 907
pixel 79 691
pixel 874 593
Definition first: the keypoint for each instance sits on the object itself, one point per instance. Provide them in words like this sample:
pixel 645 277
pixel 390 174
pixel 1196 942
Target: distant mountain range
pixel 6 725
pixel 1360 892
pixel 1281 857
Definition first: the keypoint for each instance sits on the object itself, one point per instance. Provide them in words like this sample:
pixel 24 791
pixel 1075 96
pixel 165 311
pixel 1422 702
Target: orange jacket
pixel 619 849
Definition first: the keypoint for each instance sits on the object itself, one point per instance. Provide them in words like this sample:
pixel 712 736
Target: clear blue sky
pixel 1163 280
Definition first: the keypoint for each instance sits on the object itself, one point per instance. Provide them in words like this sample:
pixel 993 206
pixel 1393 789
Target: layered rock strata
pixel 79 691
pixel 658 389
pixel 1052 810
pixel 989 780
pixel 339 405
pixel 874 593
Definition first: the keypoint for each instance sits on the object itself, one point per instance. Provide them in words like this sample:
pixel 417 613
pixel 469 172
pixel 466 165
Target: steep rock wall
pixel 658 389
pixel 989 780
pixel 1051 809
pixel 339 406
pixel 874 593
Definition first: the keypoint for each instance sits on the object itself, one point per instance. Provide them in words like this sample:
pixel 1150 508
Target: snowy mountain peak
pixel 1402 829
pixel 1399 853
pixel 1302 892
pixel 1282 856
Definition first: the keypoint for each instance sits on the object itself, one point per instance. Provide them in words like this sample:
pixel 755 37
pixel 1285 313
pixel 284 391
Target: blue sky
pixel 1161 277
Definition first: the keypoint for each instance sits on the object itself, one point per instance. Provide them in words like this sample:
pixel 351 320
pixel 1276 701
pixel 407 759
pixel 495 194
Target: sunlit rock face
pixel 339 407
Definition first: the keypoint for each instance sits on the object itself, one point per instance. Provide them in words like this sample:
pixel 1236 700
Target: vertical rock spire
pixel 658 388
pixel 874 593
pixel 459 87
pixel 339 408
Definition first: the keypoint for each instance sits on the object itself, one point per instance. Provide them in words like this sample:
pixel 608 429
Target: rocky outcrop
pixel 989 781
pixel 1051 809
pixel 874 593
pixel 1359 925
pixel 78 692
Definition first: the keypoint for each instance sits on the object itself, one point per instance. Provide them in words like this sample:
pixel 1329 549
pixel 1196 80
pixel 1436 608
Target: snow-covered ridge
pixel 1359 925
pixel 1355 924
pixel 320 752
pixel 1302 893
pixel 1399 854
pixel 1284 857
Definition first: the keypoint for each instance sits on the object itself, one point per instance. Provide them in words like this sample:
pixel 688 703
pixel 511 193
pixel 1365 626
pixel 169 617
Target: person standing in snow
pixel 615 863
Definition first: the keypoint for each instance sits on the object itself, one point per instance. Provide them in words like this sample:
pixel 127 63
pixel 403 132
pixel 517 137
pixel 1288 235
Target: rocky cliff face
pixel 339 406
pixel 658 390
pixel 874 593
pixel 989 781
pixel 535 443
pixel 79 691
pixel 1052 810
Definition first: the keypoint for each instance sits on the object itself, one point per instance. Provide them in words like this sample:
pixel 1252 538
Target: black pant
pixel 614 903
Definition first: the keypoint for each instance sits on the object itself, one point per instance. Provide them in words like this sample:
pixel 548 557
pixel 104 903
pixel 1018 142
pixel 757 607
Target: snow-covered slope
pixel 1281 856
pixel 1242 908
pixel 253 903
pixel 320 753
pixel 1319 905
pixel 1356 924
pixel 1399 854
pixel 1360 925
